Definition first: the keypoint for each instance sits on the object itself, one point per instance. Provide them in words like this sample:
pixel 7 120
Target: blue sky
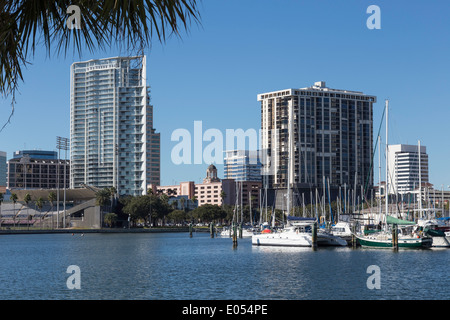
pixel 242 48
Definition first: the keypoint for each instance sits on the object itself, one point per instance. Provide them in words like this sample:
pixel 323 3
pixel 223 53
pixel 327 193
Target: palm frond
pixel 27 24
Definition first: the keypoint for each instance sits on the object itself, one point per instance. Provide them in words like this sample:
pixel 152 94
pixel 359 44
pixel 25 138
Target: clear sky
pixel 246 47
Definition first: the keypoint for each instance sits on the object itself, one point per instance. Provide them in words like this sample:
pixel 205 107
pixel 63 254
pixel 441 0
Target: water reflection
pixel 280 249
pixel 174 266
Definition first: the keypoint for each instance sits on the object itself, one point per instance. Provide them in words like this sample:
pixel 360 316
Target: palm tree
pixel 27 200
pixel 110 218
pixel 52 198
pixel 193 200
pixel 14 200
pixel 102 197
pixel 39 203
pixel 103 24
pixel 113 194
pixel 183 204
pixel 1 200
pixel 174 204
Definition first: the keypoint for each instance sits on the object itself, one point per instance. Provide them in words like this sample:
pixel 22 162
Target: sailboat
pixel 247 231
pixel 402 234
pixel 407 234
pixel 343 230
pixel 437 230
pixel 296 233
pixel 326 236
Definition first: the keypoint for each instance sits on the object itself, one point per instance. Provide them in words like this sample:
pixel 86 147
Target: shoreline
pixel 105 230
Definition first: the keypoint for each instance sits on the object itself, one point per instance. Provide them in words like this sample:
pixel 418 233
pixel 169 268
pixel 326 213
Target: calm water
pixel 172 266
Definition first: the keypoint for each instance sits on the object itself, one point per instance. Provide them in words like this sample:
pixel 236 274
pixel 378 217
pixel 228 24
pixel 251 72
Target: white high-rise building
pixel 113 142
pixel 403 161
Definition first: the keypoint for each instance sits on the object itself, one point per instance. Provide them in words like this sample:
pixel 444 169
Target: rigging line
pixel 390 176
pixel 373 154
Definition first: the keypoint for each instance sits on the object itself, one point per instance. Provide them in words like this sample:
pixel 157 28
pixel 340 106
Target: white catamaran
pixel 296 234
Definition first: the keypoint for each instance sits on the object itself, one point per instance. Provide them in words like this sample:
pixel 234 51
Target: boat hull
pixel 245 233
pixel 402 243
pixel 441 242
pixel 327 240
pixel 278 239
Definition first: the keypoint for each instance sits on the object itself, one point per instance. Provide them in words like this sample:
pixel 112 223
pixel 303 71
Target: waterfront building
pixel 184 189
pixel 214 190
pixel 403 161
pixel 3 171
pixel 37 169
pixel 317 134
pixel 242 165
pixel 113 142
pixel 211 175
pixel 248 192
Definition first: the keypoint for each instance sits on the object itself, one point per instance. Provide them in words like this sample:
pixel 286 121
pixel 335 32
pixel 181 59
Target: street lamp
pixel 61 143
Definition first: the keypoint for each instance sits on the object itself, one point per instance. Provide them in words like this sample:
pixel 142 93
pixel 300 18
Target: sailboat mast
pixel 387 157
pixel 379 176
pixel 260 206
pixel 250 202
pixel 345 198
pixel 265 198
pixel 316 206
pixel 420 182
pixel 289 159
pixel 241 203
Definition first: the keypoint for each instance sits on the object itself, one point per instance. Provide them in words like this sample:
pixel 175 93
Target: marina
pixel 192 164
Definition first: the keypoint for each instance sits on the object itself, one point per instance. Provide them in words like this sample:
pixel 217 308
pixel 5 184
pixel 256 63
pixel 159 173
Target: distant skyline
pixel 243 48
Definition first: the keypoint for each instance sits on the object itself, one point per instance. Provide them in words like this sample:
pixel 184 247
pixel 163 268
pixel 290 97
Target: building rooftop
pixel 319 86
pixel 35 154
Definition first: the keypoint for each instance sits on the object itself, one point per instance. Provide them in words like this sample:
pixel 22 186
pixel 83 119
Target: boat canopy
pixel 392 220
pixel 292 218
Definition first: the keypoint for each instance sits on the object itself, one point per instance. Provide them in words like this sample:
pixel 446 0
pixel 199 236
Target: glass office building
pixel 113 142
pixel 37 169
pixel 242 165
